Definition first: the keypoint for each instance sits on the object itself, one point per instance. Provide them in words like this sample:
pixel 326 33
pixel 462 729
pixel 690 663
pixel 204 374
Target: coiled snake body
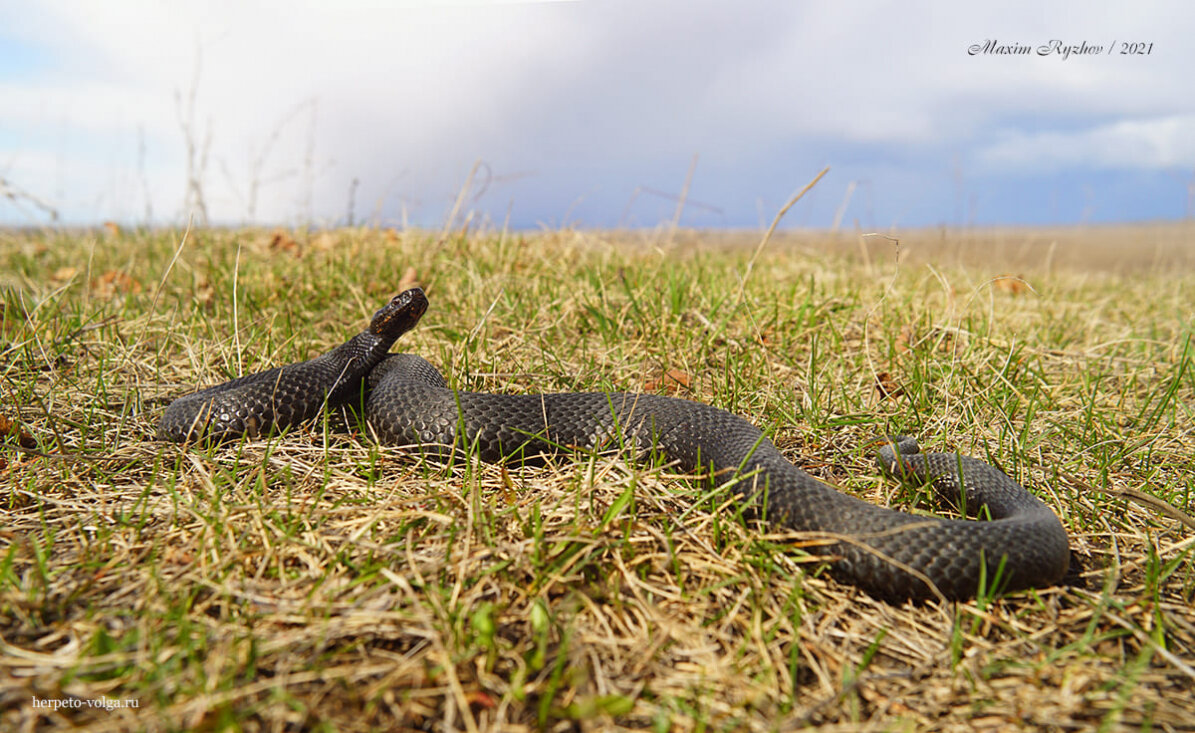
pixel 889 553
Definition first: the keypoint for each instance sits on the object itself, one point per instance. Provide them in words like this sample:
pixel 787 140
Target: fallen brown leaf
pixel 63 274
pixel 669 380
pixel 24 439
pixel 481 699
pixel 113 282
pixel 281 241
pixel 887 386
pixel 1012 284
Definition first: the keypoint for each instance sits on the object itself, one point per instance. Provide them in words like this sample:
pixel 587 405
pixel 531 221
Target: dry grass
pixel 317 581
pixel 1123 249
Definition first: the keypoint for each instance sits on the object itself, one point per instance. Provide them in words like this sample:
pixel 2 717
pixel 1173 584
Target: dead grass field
pixel 315 581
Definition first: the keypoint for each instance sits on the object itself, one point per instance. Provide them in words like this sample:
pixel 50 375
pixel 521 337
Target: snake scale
pixel 889 553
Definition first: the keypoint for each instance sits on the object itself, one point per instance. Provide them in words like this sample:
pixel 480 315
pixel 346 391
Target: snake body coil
pixel 889 553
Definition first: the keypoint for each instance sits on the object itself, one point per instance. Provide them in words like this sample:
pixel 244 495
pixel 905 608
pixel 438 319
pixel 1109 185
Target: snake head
pixel 400 314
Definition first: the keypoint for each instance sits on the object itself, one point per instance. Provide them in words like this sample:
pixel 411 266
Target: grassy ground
pixel 316 581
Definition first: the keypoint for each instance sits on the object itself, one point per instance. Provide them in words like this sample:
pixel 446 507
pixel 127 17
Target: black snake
pixel 889 553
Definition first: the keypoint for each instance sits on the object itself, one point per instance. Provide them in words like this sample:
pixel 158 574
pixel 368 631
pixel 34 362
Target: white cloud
pixel 1160 143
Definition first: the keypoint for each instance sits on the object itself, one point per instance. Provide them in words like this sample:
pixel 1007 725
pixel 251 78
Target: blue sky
pixel 591 113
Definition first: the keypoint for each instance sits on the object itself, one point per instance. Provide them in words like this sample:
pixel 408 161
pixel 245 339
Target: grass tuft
pixel 315 580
